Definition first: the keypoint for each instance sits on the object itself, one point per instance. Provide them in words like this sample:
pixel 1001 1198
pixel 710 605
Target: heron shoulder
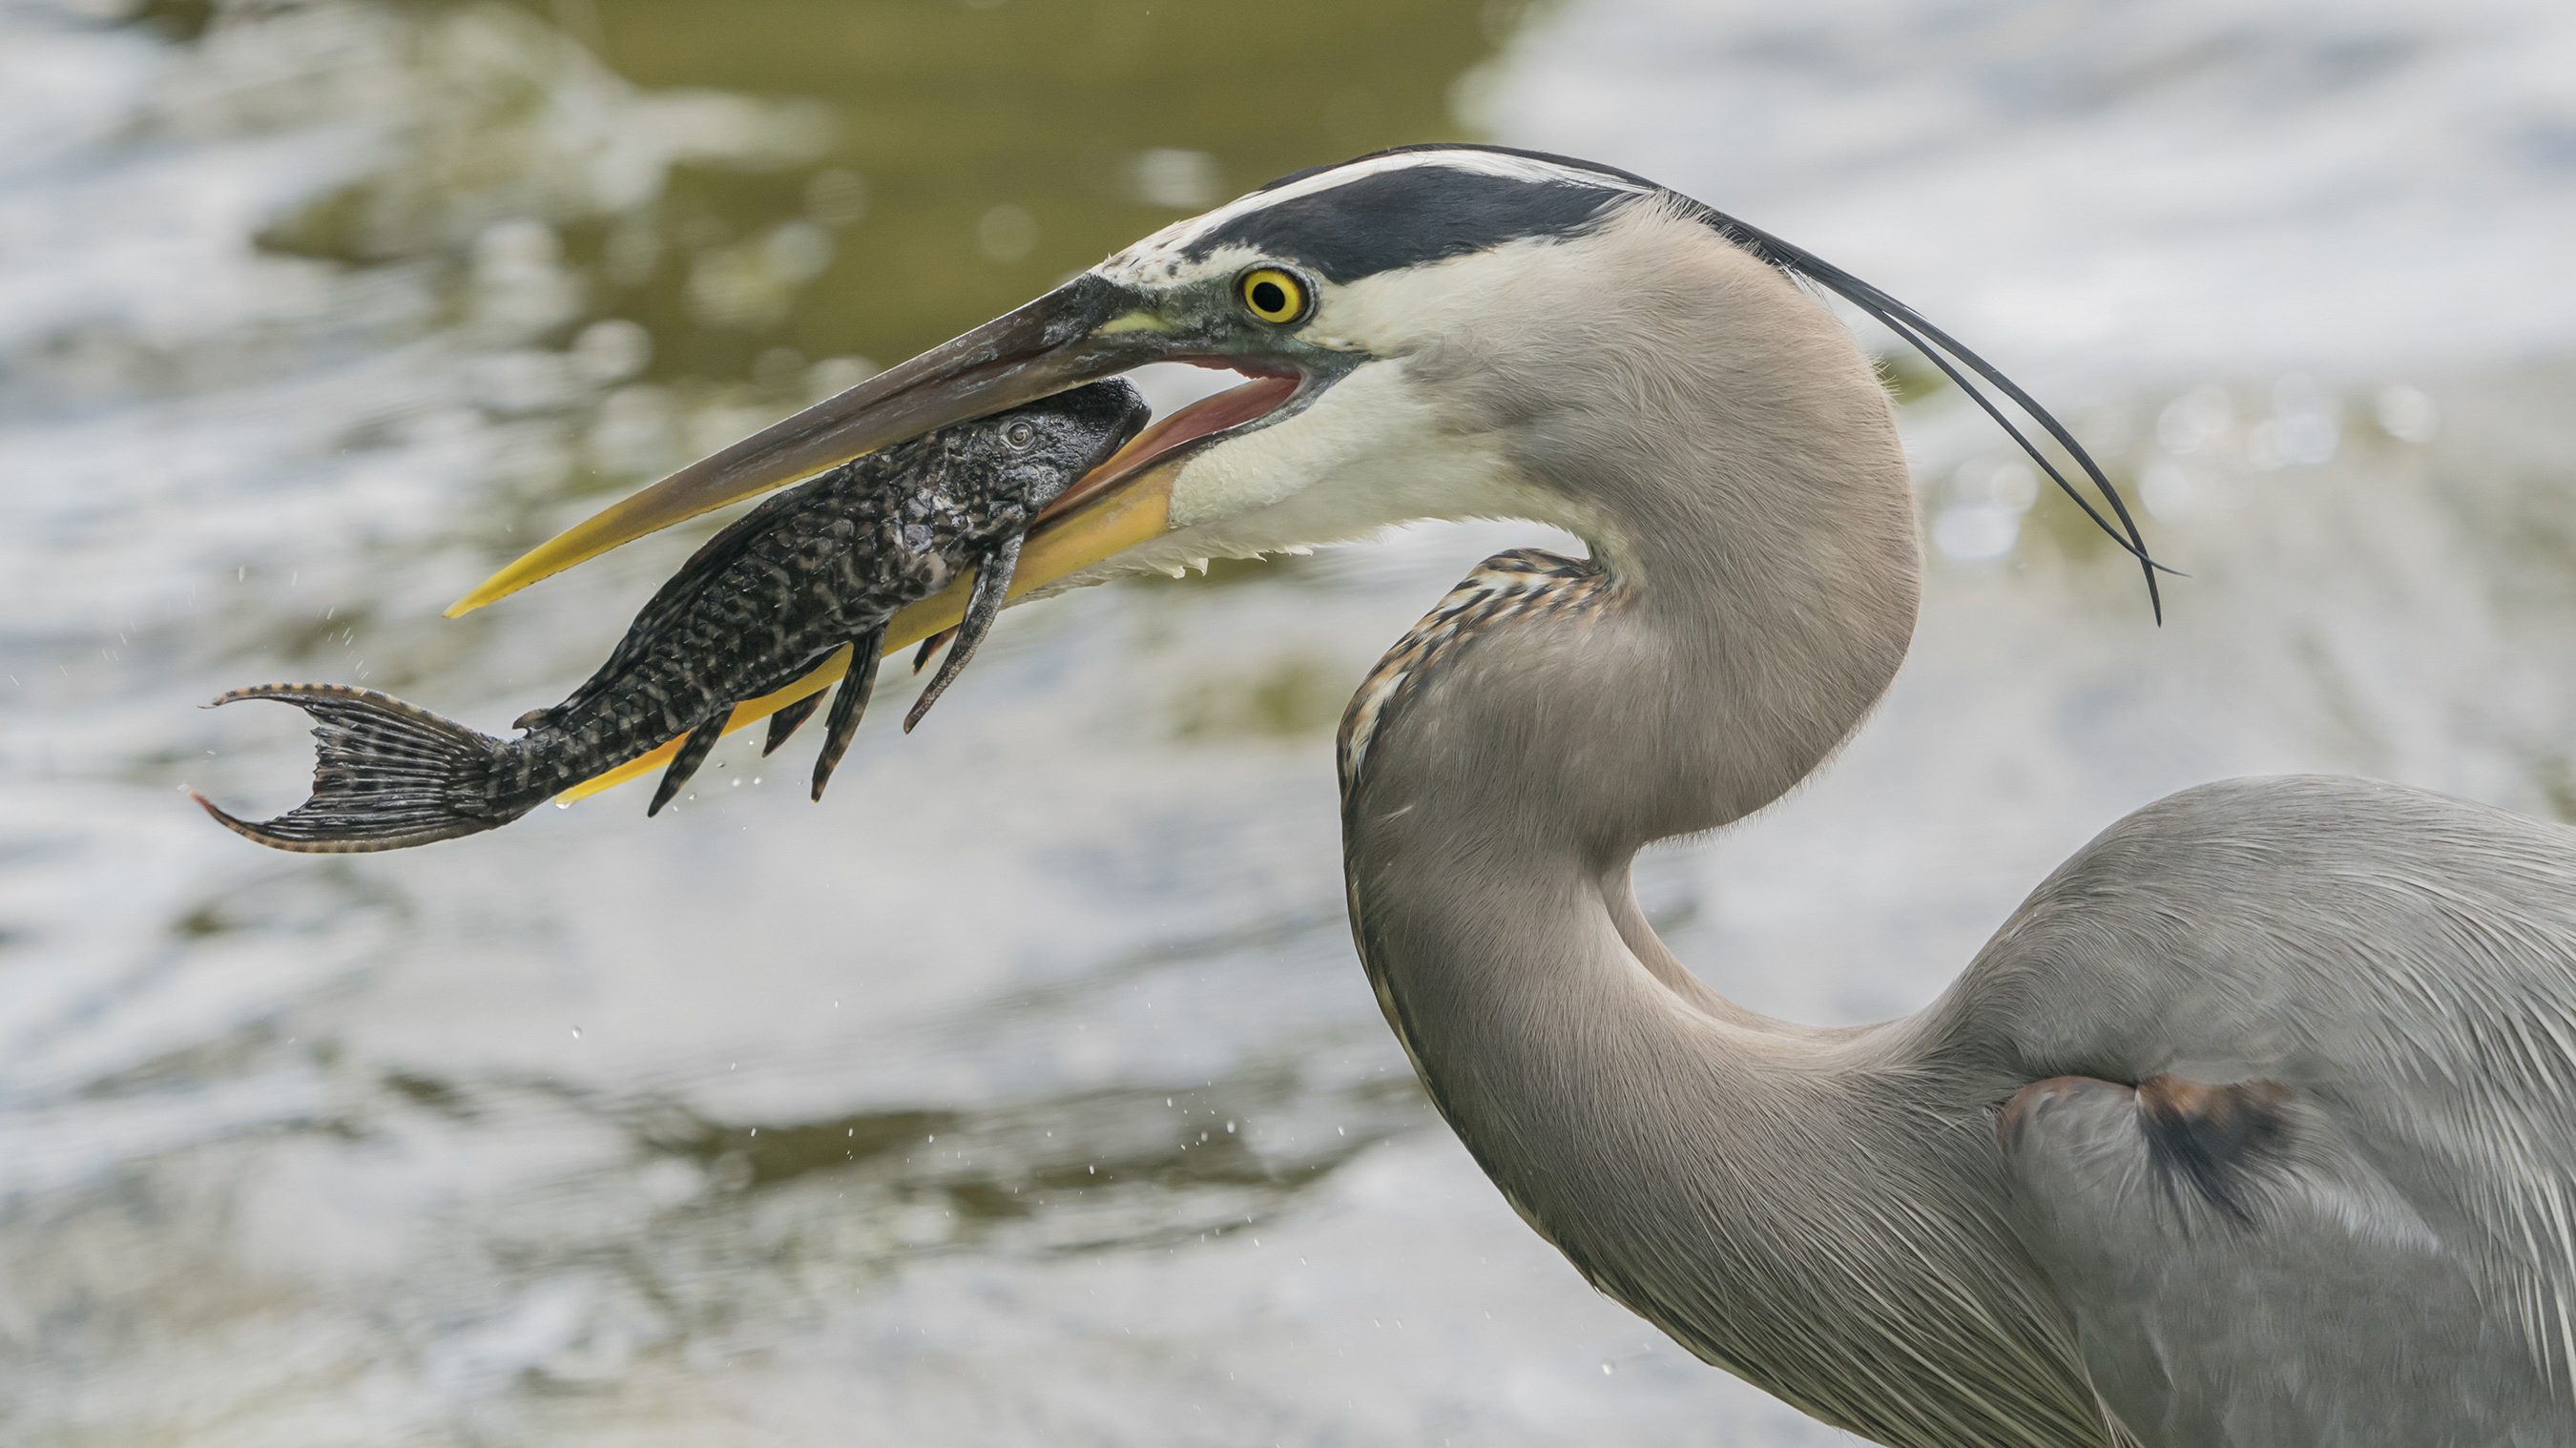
pixel 2375 986
pixel 2282 915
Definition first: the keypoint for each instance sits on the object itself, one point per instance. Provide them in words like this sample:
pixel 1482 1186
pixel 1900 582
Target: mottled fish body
pixel 818 567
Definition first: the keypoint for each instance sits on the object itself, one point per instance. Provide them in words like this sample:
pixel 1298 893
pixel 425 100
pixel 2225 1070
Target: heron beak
pixel 1086 329
pixel 1082 331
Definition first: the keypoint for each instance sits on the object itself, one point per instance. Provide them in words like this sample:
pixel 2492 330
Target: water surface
pixel 1028 1091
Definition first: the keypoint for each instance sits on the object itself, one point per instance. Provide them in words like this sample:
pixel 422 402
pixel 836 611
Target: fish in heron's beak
pixel 812 576
pixel 1087 329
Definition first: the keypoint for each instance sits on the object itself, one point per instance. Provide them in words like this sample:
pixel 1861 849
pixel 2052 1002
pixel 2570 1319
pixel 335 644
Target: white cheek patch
pixel 1350 427
pixel 1399 311
pixel 1374 450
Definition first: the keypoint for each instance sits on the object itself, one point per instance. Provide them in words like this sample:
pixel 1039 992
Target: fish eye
pixel 1019 434
pixel 1275 295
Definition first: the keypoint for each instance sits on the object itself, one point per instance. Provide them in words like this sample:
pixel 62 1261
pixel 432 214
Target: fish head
pixel 1022 459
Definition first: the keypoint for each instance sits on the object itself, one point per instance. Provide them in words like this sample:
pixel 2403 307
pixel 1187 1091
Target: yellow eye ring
pixel 1275 296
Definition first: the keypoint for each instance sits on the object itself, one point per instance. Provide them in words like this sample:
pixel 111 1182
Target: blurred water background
pixel 1027 1092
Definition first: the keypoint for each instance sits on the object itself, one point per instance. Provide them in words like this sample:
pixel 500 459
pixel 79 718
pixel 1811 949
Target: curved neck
pixel 1737 473
pixel 1813 1209
pixel 1751 594
pixel 1816 1210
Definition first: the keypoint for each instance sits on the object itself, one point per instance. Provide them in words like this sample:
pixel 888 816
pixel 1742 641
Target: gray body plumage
pixel 2380 1255
pixel 2403 968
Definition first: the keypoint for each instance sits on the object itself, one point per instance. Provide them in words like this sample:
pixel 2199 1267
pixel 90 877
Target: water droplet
pixel 576 1033
pixel 1607 1370
pixel 2407 413
pixel 1007 233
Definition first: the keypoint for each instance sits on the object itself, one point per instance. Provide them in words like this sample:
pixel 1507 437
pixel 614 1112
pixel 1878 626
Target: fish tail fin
pixel 387 775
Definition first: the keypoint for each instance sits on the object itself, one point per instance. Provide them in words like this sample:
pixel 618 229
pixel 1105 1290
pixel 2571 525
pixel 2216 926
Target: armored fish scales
pixel 819 566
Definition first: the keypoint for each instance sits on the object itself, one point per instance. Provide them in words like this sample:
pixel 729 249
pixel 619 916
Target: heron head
pixel 1373 307
pixel 1341 296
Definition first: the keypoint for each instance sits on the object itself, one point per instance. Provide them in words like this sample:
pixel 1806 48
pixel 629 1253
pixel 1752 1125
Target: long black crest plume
pixel 1939 348
pixel 1912 328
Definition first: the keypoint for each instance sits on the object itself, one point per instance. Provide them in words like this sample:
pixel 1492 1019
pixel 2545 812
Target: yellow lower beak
pixel 1136 510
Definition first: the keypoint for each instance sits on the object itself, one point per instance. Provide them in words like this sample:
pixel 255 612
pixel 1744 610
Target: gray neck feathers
pixel 1792 1203
pixel 1734 464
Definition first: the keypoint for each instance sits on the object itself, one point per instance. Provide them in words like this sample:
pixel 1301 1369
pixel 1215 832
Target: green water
pixel 936 162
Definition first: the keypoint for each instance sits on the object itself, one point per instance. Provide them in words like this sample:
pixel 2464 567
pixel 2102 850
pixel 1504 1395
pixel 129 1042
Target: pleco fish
pixel 765 601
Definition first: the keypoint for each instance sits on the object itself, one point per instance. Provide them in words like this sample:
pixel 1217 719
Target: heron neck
pixel 1814 1209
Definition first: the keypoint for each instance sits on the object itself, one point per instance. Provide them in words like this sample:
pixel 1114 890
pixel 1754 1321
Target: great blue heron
pixel 2254 1125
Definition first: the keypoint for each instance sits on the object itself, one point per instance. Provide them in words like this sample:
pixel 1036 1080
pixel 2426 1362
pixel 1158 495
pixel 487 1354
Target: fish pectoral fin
pixel 788 720
pixel 693 752
pixel 848 705
pixel 992 590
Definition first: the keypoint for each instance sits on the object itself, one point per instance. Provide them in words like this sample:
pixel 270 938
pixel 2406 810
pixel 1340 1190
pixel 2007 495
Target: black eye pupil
pixel 1269 297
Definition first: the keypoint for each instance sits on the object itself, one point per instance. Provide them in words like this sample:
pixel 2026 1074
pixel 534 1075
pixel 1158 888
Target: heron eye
pixel 1019 435
pixel 1275 296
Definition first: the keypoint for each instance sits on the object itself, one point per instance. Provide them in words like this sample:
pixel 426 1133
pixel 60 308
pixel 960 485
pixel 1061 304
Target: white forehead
pixel 1165 258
